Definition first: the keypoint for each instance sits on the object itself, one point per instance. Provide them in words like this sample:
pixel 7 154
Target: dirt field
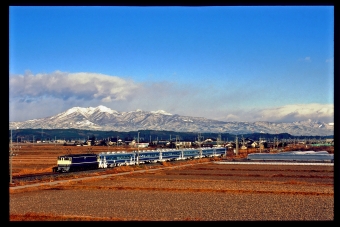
pixel 39 158
pixel 202 191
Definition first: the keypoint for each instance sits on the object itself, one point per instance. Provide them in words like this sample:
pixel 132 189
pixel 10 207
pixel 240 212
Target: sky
pixel 229 63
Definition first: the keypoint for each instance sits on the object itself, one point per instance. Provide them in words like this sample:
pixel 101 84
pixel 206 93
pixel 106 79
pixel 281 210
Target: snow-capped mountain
pixel 105 119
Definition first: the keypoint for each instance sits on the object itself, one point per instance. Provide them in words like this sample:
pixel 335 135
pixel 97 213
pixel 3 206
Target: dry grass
pixel 33 171
pixel 43 158
pixel 50 217
pixel 76 186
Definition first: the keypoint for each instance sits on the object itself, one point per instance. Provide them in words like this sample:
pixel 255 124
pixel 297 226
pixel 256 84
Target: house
pixel 133 143
pixel 254 144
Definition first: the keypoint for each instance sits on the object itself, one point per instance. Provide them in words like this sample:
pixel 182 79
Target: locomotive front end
pixel 64 163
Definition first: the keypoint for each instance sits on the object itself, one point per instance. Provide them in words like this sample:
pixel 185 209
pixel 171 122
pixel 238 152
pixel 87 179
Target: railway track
pixel 48 176
pixel 54 176
pixel 35 175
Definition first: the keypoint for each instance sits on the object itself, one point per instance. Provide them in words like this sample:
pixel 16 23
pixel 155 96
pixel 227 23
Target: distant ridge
pixel 105 119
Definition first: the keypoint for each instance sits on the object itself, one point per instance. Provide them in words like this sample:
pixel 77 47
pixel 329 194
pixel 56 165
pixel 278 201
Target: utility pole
pixel 236 141
pixel 199 144
pixel 177 142
pixel 219 138
pixel 11 154
pixel 199 139
pixel 138 149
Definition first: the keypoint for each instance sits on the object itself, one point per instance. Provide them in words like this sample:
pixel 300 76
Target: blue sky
pixel 231 63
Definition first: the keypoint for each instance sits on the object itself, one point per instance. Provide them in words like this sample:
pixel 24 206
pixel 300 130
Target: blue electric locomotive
pixel 76 162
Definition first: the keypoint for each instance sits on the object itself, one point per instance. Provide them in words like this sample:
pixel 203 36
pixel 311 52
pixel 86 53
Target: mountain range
pixel 105 119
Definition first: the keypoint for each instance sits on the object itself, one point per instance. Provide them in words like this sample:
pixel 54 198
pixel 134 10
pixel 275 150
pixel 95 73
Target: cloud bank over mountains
pixel 82 86
pixel 288 113
pixel 44 95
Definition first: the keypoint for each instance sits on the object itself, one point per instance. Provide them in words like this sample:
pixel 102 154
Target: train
pixel 81 162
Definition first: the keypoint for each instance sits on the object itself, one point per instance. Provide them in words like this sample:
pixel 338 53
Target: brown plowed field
pixel 203 191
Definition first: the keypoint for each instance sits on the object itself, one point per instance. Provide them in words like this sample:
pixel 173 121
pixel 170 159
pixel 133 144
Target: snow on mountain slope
pixel 105 119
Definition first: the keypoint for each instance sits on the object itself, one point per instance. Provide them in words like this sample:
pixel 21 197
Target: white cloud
pixel 60 85
pixel 44 95
pixel 288 113
pixel 300 112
